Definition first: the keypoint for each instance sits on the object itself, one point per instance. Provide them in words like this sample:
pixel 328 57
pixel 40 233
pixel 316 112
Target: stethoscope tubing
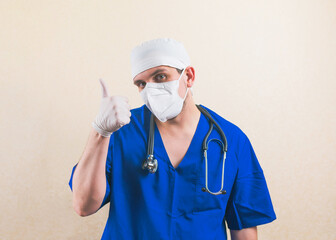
pixel 151 164
pixel 212 121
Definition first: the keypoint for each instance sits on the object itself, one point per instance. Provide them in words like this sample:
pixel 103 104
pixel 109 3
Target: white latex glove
pixel 114 113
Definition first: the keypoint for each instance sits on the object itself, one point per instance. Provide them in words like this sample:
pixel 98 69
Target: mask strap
pixel 186 94
pixel 187 87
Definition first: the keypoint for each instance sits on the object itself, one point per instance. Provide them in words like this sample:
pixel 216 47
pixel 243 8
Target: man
pixel 178 199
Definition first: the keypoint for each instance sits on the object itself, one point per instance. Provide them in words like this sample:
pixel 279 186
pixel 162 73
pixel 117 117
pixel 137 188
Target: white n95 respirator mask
pixel 163 100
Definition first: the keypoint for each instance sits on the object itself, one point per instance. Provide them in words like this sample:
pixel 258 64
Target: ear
pixel 190 72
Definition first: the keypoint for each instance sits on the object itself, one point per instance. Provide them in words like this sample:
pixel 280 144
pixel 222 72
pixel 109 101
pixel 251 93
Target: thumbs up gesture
pixel 114 113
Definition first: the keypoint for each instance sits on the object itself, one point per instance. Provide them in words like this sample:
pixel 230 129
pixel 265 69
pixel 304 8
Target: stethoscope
pixel 151 164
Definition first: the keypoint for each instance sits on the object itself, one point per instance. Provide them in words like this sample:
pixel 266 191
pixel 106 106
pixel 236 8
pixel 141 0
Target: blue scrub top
pixel 170 203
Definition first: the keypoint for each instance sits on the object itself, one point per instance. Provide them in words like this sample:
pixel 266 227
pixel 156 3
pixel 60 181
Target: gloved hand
pixel 114 113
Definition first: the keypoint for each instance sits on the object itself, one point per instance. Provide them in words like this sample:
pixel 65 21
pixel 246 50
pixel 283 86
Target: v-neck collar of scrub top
pixel 160 150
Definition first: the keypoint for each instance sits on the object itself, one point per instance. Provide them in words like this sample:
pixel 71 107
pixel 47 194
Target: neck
pixel 185 121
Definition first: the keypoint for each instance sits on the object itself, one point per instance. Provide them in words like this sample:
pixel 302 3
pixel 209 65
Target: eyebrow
pixel 152 74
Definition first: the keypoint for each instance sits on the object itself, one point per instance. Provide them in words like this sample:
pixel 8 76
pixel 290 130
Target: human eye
pixel 160 77
pixel 140 84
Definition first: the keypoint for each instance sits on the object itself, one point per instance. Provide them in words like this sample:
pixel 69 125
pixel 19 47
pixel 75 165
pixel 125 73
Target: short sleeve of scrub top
pixel 107 174
pixel 249 204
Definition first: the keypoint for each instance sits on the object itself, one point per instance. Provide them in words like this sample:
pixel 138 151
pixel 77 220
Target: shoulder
pixel 226 125
pixel 139 117
pixel 235 136
pixel 138 112
pixel 239 144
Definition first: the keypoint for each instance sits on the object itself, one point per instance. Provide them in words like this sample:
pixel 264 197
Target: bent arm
pixel 244 234
pixel 89 180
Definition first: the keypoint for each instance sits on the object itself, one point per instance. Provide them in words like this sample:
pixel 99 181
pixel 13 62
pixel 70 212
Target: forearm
pixel 89 180
pixel 244 234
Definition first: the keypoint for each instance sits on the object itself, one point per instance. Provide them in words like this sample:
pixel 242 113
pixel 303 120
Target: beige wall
pixel 267 66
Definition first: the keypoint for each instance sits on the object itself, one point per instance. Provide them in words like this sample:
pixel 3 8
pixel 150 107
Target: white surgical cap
pixel 157 52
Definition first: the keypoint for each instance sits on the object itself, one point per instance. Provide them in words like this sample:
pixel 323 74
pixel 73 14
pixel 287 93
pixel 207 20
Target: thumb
pixel 103 88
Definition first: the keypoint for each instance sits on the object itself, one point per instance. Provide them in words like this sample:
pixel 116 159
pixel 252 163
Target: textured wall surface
pixel 266 65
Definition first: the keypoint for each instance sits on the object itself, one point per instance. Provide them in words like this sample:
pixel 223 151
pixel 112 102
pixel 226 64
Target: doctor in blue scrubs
pixel 175 200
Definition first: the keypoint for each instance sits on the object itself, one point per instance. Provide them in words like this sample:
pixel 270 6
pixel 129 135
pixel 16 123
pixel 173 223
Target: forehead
pixel 149 72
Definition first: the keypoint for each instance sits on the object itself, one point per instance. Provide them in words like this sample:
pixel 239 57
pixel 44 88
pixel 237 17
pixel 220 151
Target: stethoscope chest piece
pixel 151 164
